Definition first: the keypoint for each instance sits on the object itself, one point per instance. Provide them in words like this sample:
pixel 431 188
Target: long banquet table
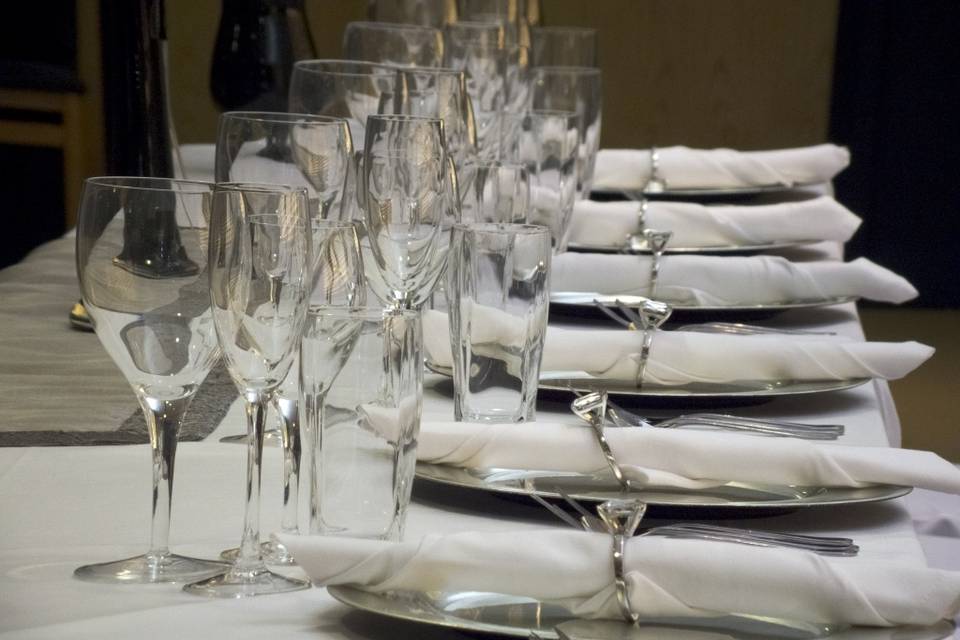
pixel 63 506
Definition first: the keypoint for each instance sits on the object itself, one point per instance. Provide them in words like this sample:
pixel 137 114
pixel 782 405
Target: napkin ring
pixel 649 316
pixel 655 183
pixel 592 408
pixel 636 241
pixel 622 517
pixel 656 243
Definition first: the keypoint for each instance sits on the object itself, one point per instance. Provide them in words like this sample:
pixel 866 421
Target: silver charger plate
pixel 582 381
pixel 505 615
pixel 724 249
pixel 585 299
pixel 600 487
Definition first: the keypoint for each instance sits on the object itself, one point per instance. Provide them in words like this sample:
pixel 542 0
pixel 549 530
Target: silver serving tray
pixel 602 486
pixel 737 249
pixel 586 298
pixel 582 381
pixel 506 615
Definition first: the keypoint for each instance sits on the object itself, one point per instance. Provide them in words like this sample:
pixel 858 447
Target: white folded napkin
pixel 607 224
pixel 687 458
pixel 727 280
pixel 665 577
pixel 686 168
pixel 682 357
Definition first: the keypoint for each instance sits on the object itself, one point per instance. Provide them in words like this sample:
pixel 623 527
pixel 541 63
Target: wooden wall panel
pixel 740 73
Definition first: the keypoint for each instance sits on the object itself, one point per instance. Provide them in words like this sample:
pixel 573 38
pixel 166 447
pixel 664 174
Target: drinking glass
pixel 367 451
pixel 517 81
pixel 498 297
pixel 545 143
pixel 260 280
pixel 427 13
pixel 494 192
pixel 408 206
pixel 511 15
pixel 304 150
pixel 346 89
pixel 477 48
pixel 400 45
pixel 563 46
pixel 576 89
pixel 151 311
pixel 441 93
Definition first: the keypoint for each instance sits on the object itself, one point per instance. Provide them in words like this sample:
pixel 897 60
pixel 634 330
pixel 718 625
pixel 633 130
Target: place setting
pixel 404 283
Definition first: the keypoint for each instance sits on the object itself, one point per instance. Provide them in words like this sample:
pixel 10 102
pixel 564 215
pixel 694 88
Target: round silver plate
pixel 505 615
pixel 745 248
pixel 602 487
pixel 562 381
pixel 586 299
pixel 704 192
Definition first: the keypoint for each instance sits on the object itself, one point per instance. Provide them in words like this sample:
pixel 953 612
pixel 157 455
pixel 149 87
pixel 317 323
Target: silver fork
pixel 741 329
pixel 621 417
pixel 821 545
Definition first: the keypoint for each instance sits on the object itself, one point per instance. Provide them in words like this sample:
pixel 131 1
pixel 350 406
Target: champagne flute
pixel 152 313
pixel 260 280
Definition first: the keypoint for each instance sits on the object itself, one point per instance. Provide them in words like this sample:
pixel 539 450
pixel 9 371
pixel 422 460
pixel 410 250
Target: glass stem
pixel 164 418
pixel 292 456
pixel 315 441
pixel 250 558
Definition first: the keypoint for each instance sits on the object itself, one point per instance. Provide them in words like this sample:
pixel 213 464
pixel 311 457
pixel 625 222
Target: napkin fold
pixel 686 168
pixel 665 577
pixel 686 458
pixel 683 357
pixel 607 224
pixel 727 280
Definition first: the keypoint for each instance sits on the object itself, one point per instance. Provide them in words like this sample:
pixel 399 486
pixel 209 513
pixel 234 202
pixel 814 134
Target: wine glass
pixel 142 265
pixel 545 143
pixel 576 89
pixel 477 48
pixel 306 150
pixel 260 280
pixel 402 45
pixel 563 46
pixel 428 13
pixel 408 206
pixel 494 192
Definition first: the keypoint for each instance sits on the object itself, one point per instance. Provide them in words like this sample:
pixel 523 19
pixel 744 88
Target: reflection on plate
pixel 727 249
pixel 493 613
pixel 745 390
pixel 586 299
pixel 602 486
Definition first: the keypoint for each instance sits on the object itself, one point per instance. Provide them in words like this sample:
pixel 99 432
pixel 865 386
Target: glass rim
pixel 390 26
pixel 402 117
pixel 332 224
pixel 310 66
pixel 366 312
pixel 580 71
pixel 281 117
pixel 258 187
pixel 475 24
pixel 127 183
pixel 563 29
pixel 262 220
pixel 503 228
pixel 543 113
pixel 447 71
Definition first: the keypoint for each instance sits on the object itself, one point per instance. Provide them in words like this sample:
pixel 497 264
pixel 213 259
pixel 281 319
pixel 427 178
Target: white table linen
pixel 727 280
pixel 686 168
pixel 681 357
pixel 608 224
pixel 665 577
pixel 689 458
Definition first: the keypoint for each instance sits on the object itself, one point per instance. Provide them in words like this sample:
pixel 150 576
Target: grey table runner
pixel 93 404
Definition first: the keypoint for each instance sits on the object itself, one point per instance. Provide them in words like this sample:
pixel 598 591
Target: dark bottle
pixel 257 43
pixel 138 133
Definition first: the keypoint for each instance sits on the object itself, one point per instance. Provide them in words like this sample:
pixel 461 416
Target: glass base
pixel 271 438
pixel 148 569
pixel 272 552
pixel 237 583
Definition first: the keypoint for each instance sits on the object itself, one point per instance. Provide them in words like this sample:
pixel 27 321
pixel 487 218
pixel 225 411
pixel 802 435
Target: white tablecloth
pixel 61 507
